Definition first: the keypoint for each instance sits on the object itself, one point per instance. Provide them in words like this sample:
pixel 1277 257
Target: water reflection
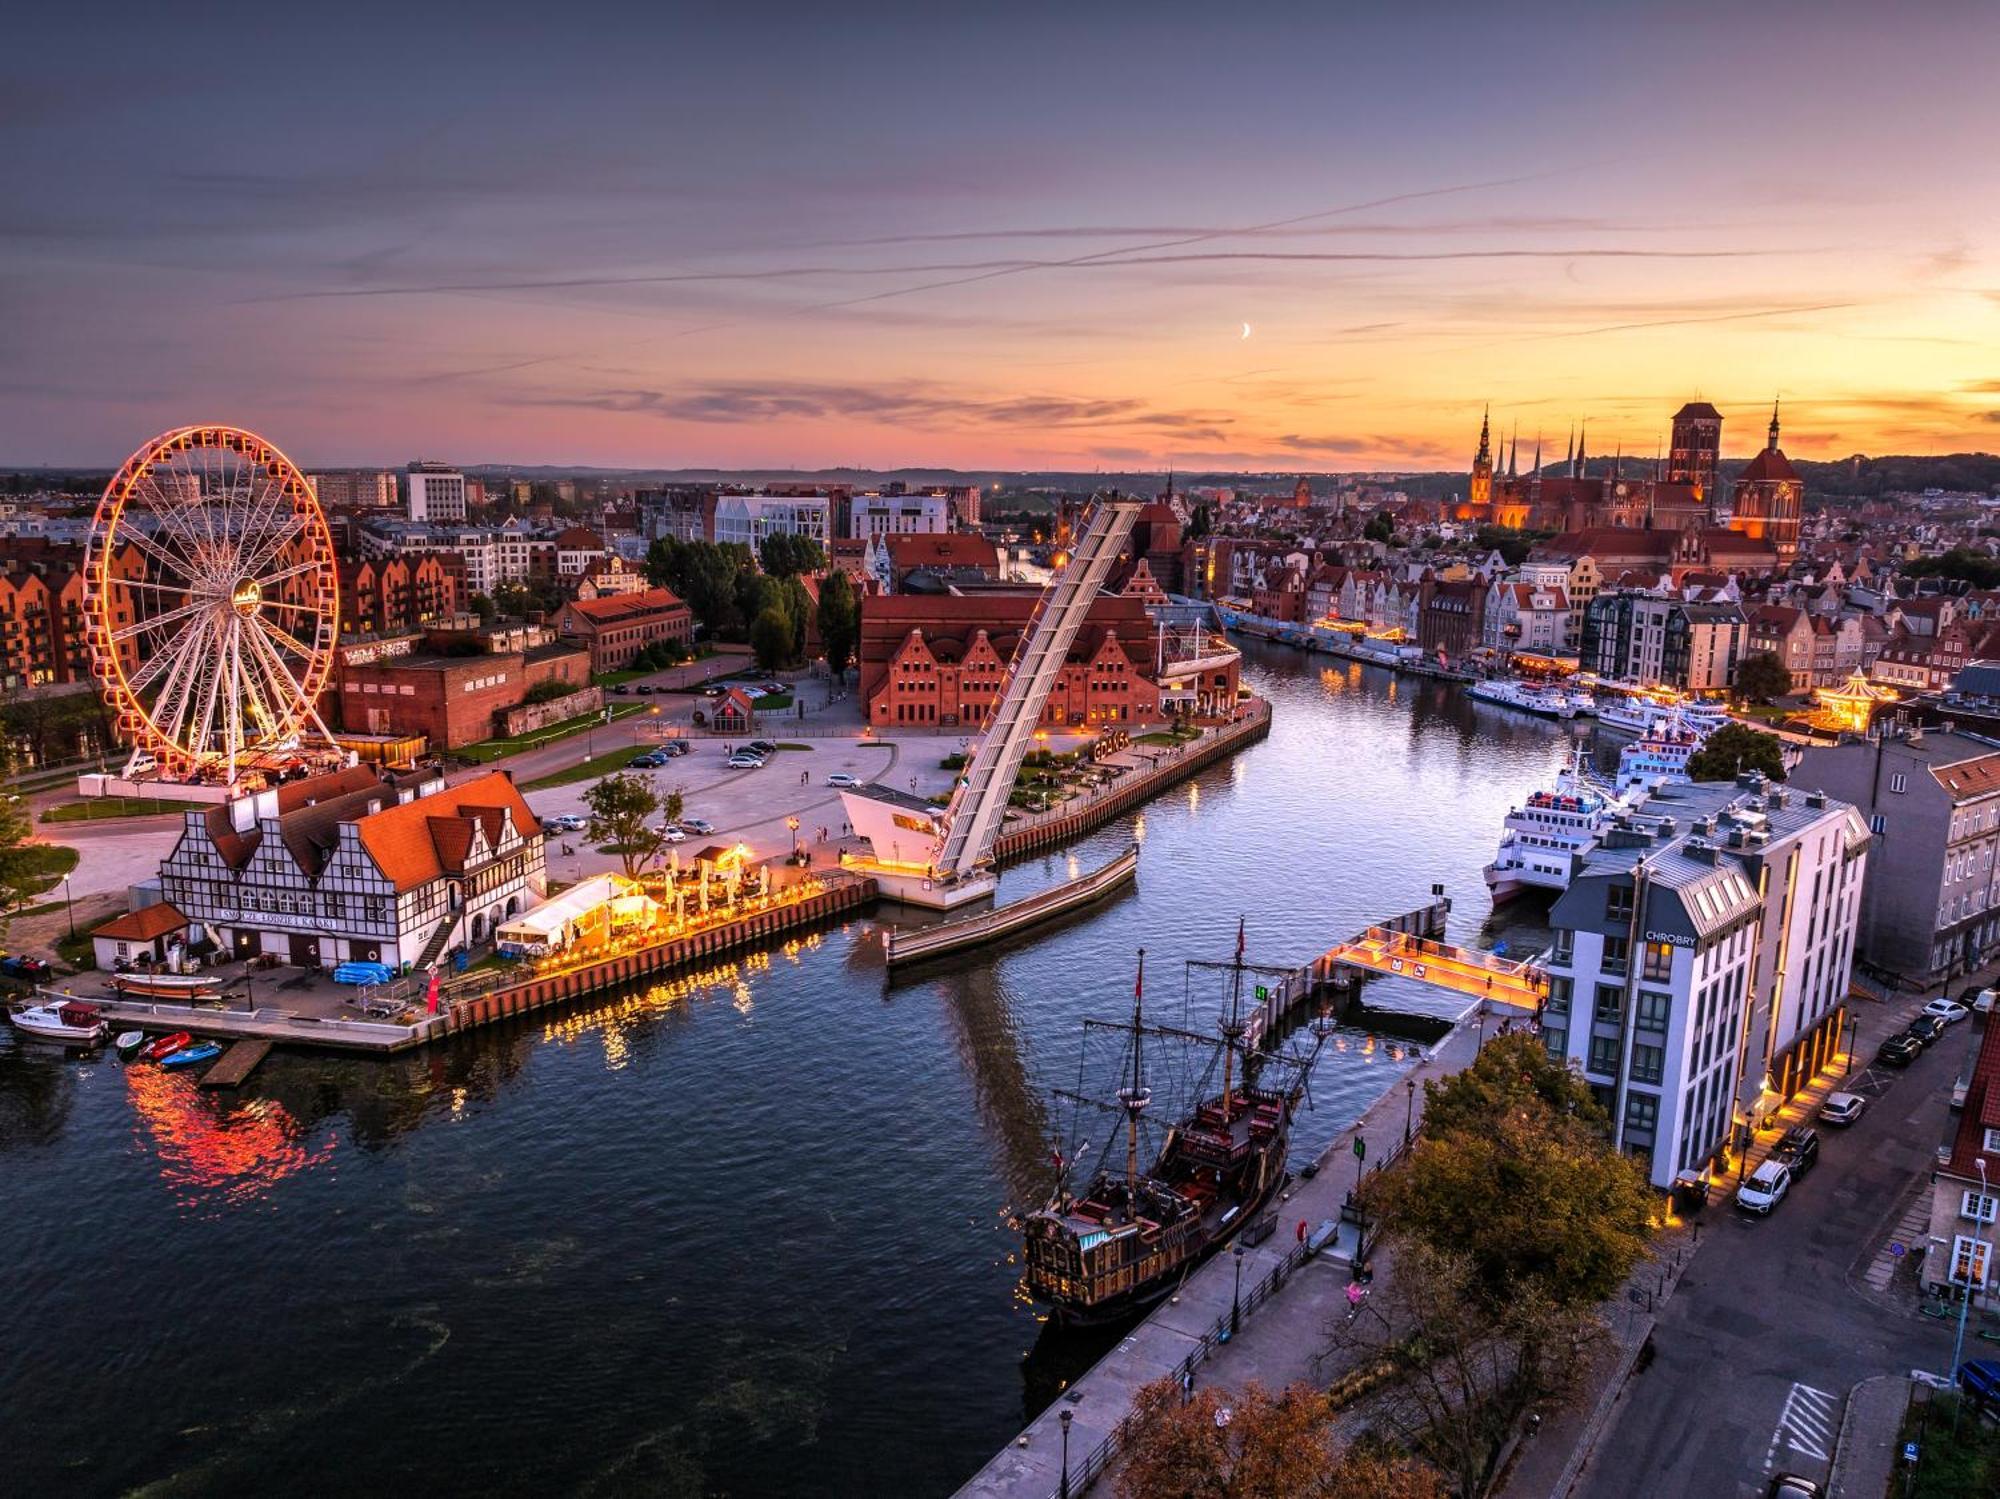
pixel 212 1154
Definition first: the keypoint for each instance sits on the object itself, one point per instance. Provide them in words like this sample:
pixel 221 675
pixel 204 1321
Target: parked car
pixel 744 760
pixel 1980 1379
pixel 1842 1108
pixel 673 749
pixel 1791 1486
pixel 711 690
pixel 761 747
pixel 1899 1051
pixel 566 822
pixel 1946 1011
pixel 1766 1187
pixel 22 966
pixel 842 778
pixel 644 689
pixel 1926 1029
pixel 774 686
pixel 1983 1004
pixel 1798 1148
pixel 648 761
pixel 673 832
pixel 623 689
pixel 699 825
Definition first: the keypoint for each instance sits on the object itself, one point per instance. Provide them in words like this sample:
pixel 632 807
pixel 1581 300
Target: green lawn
pixel 41 865
pixel 93 808
pixel 1961 1466
pixel 76 951
pixel 774 702
pixel 617 678
pixel 489 750
pixel 1164 736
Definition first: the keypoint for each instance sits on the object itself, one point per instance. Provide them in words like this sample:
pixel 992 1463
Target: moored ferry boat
pixel 1659 759
pixel 1636 714
pixel 1547 835
pixel 1506 692
pixel 1112 1247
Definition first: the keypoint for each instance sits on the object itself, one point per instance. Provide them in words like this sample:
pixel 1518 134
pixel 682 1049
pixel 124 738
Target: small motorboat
pixel 192 1056
pixel 165 1046
pixel 71 1021
pixel 167 985
pixel 128 1043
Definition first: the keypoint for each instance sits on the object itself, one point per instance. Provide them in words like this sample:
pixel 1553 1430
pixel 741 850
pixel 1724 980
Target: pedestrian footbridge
pixel 1470 971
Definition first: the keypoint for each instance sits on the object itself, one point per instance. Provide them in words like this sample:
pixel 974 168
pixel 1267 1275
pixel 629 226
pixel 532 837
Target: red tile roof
pixel 144 924
pixel 424 838
pixel 622 608
pixel 952 549
pixel 1982 1111
pixel 1769 464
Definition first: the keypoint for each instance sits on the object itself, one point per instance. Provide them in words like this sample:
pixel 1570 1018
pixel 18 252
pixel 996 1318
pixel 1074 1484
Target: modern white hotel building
pixel 1700 968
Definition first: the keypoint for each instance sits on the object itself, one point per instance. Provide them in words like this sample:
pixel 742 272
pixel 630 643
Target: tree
pixel 784 556
pixel 672 805
pixel 1463 1371
pixel 1381 527
pixel 547 691
pixel 1761 676
pixel 771 638
pixel 799 605
pixel 619 807
pixel 1269 1445
pixel 1735 748
pixel 18 879
pixel 839 620
pixel 484 607
pixel 705 576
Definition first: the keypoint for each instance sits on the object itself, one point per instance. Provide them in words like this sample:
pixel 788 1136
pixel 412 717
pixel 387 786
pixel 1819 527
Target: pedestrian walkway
pixel 1911 1229
pixel 1865 1458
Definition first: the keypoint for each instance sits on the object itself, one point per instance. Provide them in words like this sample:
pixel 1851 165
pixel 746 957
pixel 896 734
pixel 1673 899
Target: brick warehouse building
pixel 398 689
pixel 616 629
pixel 941 659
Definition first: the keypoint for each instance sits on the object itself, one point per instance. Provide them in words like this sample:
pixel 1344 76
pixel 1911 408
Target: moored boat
pixel 1114 1246
pixel 1506 692
pixel 167 985
pixel 1547 835
pixel 72 1021
pixel 165 1046
pixel 129 1042
pixel 193 1056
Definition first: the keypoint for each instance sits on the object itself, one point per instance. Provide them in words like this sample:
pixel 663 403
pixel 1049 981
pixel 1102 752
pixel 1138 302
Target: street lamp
pixel 1066 1417
pixel 1236 1301
pixel 1409 1108
pixel 69 900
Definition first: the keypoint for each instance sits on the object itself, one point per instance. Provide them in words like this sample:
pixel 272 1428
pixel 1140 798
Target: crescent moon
pixel 1246 330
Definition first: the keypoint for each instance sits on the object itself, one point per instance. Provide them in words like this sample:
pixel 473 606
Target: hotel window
pixel 1649 1063
pixel 1652 1010
pixel 1978 1207
pixel 1617 954
pixel 1618 903
pixel 1610 1002
pixel 1564 952
pixel 1642 1111
pixel 1556 1040
pixel 1604 1055
pixel 1558 1000
pixel 1969 1260
pixel 1659 960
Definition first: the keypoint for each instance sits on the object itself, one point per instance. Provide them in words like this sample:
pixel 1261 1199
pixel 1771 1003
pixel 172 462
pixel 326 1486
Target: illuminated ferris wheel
pixel 211 603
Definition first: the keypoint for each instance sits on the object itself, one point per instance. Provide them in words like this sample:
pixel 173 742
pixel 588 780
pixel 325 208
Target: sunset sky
pixel 754 235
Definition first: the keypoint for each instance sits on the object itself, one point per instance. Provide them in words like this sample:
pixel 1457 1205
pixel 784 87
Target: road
pixel 1773 1324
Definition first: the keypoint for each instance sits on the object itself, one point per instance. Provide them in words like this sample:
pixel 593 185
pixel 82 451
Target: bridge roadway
pixel 1463 970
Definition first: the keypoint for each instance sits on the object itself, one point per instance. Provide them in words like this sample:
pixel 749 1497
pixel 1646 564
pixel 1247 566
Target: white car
pixel 741 761
pixel 1984 1004
pixel 1947 1010
pixel 568 822
pixel 673 832
pixel 842 778
pixel 1842 1108
pixel 1766 1187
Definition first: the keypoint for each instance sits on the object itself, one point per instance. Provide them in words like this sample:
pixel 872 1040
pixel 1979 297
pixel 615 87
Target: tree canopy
pixel 771 637
pixel 1734 748
pixel 1761 676
pixel 1269 1446
pixel 839 621
pixel 619 807
pixel 784 556
pixel 1381 527
pixel 705 576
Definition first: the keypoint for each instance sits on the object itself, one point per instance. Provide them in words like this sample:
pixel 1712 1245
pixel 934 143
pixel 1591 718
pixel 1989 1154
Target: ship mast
pixel 1231 1025
pixel 1136 1095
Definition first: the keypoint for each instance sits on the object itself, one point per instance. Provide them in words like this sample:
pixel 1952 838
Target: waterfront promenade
pixel 1277 1340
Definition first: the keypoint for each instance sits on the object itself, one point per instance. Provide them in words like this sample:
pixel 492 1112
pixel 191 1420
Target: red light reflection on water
pixel 214 1152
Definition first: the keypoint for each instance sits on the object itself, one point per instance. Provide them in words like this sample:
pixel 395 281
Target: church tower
pixel 1694 449
pixel 1770 498
pixel 1480 493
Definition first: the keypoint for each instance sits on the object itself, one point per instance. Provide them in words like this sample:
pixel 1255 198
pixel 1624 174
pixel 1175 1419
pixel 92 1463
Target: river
pixel 744 1233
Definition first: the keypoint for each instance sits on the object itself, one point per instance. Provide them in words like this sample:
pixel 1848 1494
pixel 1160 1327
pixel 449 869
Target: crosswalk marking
pixel 1806 1425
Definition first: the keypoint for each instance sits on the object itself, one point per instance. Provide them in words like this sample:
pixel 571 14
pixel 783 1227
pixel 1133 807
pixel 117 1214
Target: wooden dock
pixel 990 926
pixel 236 1064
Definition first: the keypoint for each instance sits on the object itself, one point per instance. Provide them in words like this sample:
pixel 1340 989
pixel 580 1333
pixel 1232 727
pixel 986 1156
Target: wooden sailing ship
pixel 1123 1241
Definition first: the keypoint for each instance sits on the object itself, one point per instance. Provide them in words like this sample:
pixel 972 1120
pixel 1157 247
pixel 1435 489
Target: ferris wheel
pixel 211 602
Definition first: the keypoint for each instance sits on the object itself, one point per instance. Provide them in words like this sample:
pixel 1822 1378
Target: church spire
pixel 1484 455
pixel 1774 425
pixel 1538 455
pixel 1569 454
pixel 1582 463
pixel 1514 453
pixel 1618 462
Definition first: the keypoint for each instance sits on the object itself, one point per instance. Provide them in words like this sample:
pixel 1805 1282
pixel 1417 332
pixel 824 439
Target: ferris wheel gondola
pixel 211 603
